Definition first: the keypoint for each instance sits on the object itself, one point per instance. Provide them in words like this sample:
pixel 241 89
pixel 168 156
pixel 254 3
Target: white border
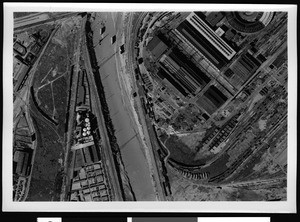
pixel 288 206
pixel 233 219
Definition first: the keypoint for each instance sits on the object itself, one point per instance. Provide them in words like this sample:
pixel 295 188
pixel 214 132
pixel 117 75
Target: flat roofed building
pixel 249 22
pixel 281 58
pixel 94 153
pixel 19 48
pixel 214 17
pixel 87 156
pixel 99 179
pixel 23 161
pixel 87 197
pixel 198 77
pixel 216 96
pixel 157 47
pixel 166 75
pixel 188 34
pixel 266 18
pixel 35 48
pixel 79 161
pixel 240 71
pixel 84 183
pixel 21 76
pixel 82 174
pixel 179 91
pixel 179 73
pixel 211 36
pixel 76 186
pixel 212 99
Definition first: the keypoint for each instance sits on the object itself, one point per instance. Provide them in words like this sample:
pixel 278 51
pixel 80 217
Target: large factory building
pixel 212 46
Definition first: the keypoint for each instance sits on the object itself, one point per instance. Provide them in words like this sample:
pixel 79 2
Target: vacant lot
pixel 180 152
pixel 46 167
pixel 51 84
pixel 53 64
pixel 60 94
pixel 45 100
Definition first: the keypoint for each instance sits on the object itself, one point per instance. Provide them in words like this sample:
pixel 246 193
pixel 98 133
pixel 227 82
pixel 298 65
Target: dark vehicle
pixel 113 39
pixel 134 94
pixel 136 70
pixel 140 60
pixel 102 30
pixel 122 49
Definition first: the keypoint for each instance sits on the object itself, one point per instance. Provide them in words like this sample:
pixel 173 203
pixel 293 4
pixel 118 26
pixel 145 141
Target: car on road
pixel 102 30
pixel 122 49
pixel 140 60
pixel 113 39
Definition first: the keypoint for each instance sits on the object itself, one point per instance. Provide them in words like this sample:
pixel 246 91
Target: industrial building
pixel 240 71
pixel 22 161
pixel 195 74
pixel 81 88
pixel 26 49
pixel 179 73
pixel 206 40
pixel 170 81
pixel 89 184
pixel 213 17
pixel 210 35
pixel 213 98
pixel 157 47
pixel 20 49
pixel 281 58
pixel 185 76
pixel 249 22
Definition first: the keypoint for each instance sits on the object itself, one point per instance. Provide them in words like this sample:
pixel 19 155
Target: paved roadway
pixel 126 131
pixel 108 156
pixel 131 31
pixel 30 19
pixel 36 19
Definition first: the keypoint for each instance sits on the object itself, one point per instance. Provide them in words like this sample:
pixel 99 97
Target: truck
pixel 122 49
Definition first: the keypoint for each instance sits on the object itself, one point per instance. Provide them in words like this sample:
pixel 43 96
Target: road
pixel 110 167
pixel 127 132
pixel 39 19
pixel 132 30
pixel 30 19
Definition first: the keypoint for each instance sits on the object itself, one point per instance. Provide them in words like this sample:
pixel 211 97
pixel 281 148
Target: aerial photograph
pixel 150 106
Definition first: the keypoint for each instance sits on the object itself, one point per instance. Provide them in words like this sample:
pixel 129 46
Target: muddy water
pixel 125 129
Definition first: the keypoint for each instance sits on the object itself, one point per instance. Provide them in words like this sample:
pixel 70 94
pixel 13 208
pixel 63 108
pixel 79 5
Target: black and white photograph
pixel 155 106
